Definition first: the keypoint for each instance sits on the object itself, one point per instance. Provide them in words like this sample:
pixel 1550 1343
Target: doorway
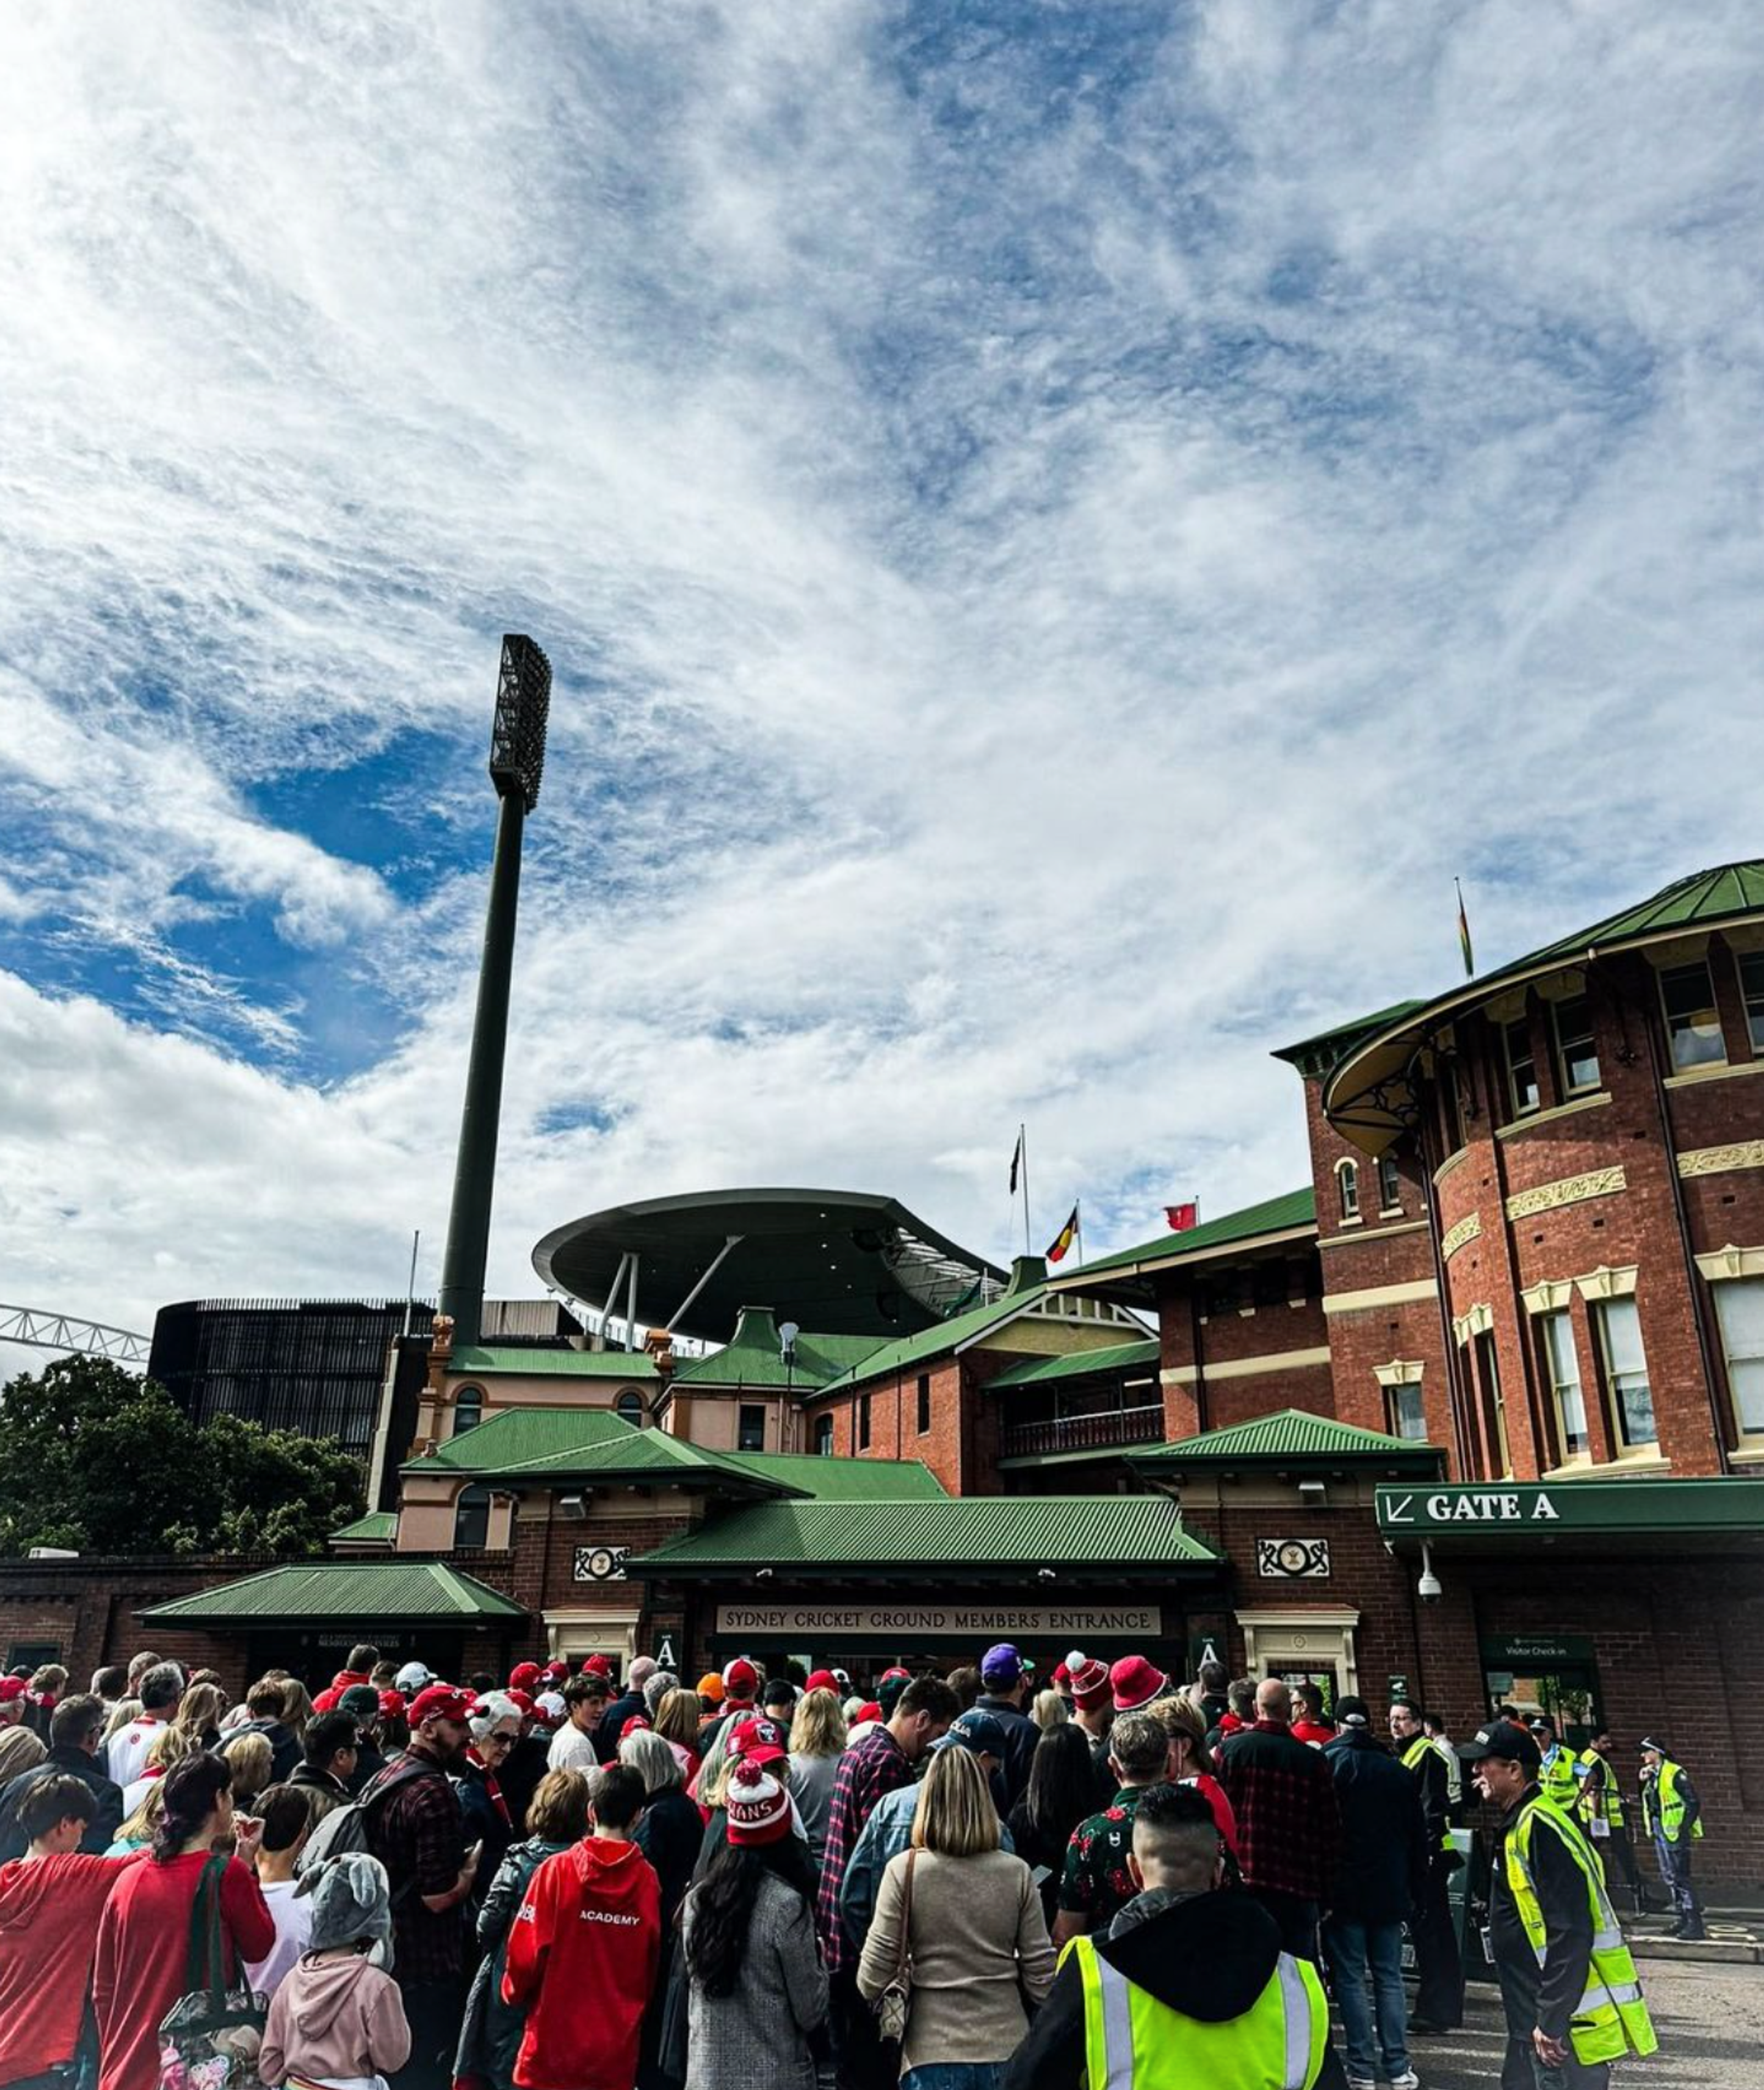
pixel 1548 1675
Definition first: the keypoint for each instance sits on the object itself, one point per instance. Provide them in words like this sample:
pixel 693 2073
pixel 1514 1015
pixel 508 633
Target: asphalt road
pixel 1711 2021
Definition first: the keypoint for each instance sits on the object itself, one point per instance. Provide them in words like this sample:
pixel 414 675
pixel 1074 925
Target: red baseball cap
pixel 888 1675
pixel 741 1679
pixel 635 1725
pixel 12 1687
pixel 759 1741
pixel 524 1700
pixel 441 1701
pixel 872 1711
pixel 597 1665
pixel 524 1676
pixel 822 1679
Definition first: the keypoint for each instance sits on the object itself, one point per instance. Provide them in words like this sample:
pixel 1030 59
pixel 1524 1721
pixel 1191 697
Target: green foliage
pixel 93 1458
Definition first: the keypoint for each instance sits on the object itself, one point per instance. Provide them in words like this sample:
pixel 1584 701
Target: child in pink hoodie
pixel 337 2018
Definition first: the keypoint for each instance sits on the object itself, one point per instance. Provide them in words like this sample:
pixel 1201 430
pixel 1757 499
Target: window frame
pixel 923 1412
pixel 1548 1323
pixel 1347 1190
pixel 1395 1397
pixel 1750 1439
pixel 824 1436
pixel 1485 1360
pixel 1718 1058
pixel 1390 1195
pixel 468 1400
pixel 1522 1024
pixel 474 1498
pixel 1754 1022
pixel 1624 1446
pixel 632 1395
pixel 863 1423
pixel 745 1412
pixel 1568 1088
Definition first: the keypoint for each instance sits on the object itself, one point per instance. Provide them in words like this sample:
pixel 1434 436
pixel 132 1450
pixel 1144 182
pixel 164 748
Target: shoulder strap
pixel 203 1968
pixel 904 1967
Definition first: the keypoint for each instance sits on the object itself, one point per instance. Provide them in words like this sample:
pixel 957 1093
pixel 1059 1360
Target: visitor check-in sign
pixel 1417 1509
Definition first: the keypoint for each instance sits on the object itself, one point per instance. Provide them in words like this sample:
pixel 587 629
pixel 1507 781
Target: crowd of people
pixel 576 1881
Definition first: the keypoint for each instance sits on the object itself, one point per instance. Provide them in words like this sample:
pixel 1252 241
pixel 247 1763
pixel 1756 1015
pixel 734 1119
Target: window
pixel 1562 1369
pixel 1268 1283
pixel 1521 1067
pixel 824 1436
pixel 629 1405
pixel 1576 1053
pixel 1408 1418
pixel 471 1520
pixel 924 1402
pixel 1348 1175
pixel 1693 1021
pixel 1494 1406
pixel 468 1409
pixel 863 1422
pixel 1451 1106
pixel 1739 1307
pixel 750 1428
pixel 1752 986
pixel 1390 1184
pixel 1626 1372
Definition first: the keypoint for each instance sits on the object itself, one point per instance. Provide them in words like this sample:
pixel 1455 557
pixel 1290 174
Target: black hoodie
pixel 1209 1957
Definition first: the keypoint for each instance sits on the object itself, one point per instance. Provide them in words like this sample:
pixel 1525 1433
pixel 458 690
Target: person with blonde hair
pixel 677 1720
pixel 965 1914
pixel 250 1759
pixel 1191 1762
pixel 22 1748
pixel 122 1714
pixel 140 1827
pixel 200 1714
pixel 1049 1711
pixel 296 1705
pixel 817 1742
pixel 169 1746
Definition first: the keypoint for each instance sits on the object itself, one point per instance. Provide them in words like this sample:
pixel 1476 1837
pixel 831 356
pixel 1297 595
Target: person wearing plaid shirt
pixel 1288 1823
pixel 881 1763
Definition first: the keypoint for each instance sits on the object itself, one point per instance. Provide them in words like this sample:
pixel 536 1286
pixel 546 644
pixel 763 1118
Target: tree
pixel 95 1459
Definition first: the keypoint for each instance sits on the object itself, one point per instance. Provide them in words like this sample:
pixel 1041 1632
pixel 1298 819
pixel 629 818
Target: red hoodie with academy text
pixel 581 1959
pixel 49 1909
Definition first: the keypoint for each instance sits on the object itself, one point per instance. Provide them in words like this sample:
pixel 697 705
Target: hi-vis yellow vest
pixel 1133 2042
pixel 1610 2019
pixel 1663 1805
pixel 1607 1799
pixel 1416 1758
pixel 1559 1780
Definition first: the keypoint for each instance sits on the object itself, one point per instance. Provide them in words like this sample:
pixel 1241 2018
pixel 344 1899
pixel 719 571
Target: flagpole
pixel 1077 1211
pixel 1022 1144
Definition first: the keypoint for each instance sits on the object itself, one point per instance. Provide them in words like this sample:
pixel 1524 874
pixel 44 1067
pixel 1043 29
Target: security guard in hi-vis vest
pixel 1439 1962
pixel 1674 1817
pixel 1189 1988
pixel 1573 1998
pixel 1556 1774
pixel 1605 1819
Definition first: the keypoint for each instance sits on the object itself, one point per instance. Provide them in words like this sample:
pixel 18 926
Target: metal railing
pixel 1101 1432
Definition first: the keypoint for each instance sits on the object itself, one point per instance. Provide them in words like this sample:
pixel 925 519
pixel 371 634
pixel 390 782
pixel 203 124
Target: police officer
pixel 1556 1774
pixel 1602 1815
pixel 1439 1962
pixel 1573 2000
pixel 1673 1816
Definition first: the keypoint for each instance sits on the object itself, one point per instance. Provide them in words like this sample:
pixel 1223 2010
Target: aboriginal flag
pixel 1064 1240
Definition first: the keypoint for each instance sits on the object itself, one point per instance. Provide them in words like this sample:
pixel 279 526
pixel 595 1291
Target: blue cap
pixel 1002 1664
pixel 977 1729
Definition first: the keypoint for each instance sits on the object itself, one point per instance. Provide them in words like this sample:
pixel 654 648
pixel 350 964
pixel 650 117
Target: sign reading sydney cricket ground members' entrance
pixel 820 1622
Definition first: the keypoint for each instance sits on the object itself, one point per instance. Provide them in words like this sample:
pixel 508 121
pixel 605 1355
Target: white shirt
pixel 126 1757
pixel 572 1750
pixel 294 1928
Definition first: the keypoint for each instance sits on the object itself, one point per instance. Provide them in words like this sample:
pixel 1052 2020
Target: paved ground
pixel 1710 2020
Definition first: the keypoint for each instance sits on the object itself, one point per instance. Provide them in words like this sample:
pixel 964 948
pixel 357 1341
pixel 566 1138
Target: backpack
pixel 344 1829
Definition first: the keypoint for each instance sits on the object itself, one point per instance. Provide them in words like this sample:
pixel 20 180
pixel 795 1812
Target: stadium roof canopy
pixel 840 1262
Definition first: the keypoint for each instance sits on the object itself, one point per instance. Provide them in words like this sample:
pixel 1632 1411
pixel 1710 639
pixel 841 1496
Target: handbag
pixel 895 2002
pixel 209 2038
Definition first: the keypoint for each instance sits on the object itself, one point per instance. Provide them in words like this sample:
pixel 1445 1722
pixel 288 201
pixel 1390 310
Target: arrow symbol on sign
pixel 1398 1512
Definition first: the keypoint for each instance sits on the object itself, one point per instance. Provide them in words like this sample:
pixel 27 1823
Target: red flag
pixel 1181 1217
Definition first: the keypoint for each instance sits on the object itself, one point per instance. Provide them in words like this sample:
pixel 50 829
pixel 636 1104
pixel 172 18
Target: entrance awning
pixel 357 1593
pixel 1723 1515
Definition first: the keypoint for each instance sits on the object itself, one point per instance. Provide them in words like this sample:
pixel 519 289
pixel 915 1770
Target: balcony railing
pixel 1102 1432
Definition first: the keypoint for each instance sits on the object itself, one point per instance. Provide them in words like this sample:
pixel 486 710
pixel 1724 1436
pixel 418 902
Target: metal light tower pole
pixel 517 760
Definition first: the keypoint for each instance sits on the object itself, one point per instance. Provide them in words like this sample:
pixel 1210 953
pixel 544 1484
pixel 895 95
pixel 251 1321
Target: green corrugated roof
pixel 1321 1052
pixel 1273 1215
pixel 1037 1371
pixel 842 1480
pixel 960 1531
pixel 1292 1434
pixel 378 1524
pixel 517 1436
pixel 342 1592
pixel 490 1359
pixel 753 1357
pixel 910 1350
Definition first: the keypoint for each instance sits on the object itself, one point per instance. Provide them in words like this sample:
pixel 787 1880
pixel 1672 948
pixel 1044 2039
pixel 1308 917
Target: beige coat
pixel 979 1944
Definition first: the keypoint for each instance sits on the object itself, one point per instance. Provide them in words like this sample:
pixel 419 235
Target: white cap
pixel 415 1676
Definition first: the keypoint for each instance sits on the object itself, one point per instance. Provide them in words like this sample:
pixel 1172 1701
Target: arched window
pixel 468 1409
pixel 471 1520
pixel 824 1436
pixel 1348 1177
pixel 630 1404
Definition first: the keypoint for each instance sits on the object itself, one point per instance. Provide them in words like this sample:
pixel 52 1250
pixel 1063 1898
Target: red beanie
pixel 870 1711
pixel 759 1806
pixel 1090 1681
pixel 1136 1682
pixel 524 1676
pixel 822 1679
pixel 597 1665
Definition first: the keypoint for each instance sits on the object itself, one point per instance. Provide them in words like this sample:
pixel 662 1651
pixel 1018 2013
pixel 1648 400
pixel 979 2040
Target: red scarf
pixel 492 1787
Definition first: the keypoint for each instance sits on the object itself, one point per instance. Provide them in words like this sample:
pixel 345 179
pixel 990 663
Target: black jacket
pixel 606 1736
pixel 1382 1873
pixel 1021 1736
pixel 670 1836
pixel 329 1791
pixel 100 1832
pixel 1548 1994
pixel 1209 1957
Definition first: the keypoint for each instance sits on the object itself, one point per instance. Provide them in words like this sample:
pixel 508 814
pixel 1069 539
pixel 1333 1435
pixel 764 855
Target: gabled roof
pixel 1367 1094
pixel 342 1592
pixel 378 1527
pixel 754 1356
pixel 1294 1212
pixel 484 1360
pixel 952 1335
pixel 970 1532
pixel 1291 1436
pixel 543 1445
pixel 1079 1364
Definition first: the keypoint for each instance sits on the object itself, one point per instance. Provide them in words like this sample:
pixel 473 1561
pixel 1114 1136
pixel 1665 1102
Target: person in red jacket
pixel 50 1902
pixel 144 1938
pixel 583 1951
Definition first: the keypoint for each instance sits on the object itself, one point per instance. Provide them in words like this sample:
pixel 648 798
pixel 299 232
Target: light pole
pixel 517 760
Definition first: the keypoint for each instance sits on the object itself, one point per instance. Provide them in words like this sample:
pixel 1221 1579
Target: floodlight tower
pixel 517 758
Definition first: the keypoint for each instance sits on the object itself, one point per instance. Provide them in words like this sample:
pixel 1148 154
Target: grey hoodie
pixel 335 2016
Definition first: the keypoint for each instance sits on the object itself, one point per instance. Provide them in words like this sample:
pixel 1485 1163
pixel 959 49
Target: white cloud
pixel 1056 545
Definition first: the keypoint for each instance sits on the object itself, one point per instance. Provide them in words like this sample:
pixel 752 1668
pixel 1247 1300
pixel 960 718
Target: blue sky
pixel 1060 531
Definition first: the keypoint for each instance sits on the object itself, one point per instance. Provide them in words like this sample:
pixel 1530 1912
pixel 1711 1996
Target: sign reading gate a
pixel 1413 1509
pixel 983 1622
